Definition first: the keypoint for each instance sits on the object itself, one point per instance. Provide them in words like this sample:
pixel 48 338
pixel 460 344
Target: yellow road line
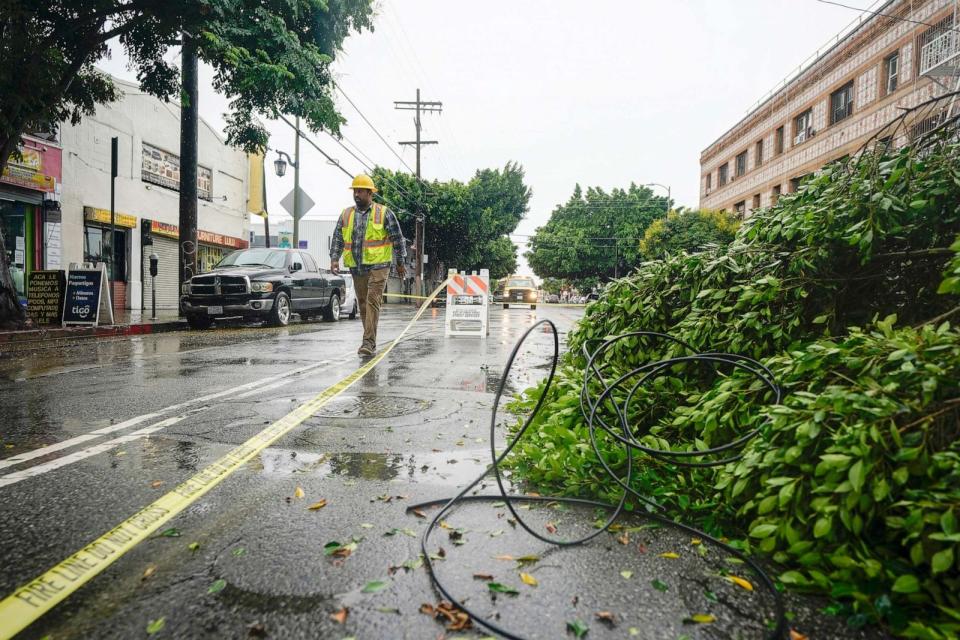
pixel 35 598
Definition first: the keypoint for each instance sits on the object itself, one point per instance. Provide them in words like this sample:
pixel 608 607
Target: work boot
pixel 366 349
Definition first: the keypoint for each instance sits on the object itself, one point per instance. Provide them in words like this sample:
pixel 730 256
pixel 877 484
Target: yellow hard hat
pixel 363 181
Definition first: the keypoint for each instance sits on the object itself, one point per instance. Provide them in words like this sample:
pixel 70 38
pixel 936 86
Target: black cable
pixel 590 409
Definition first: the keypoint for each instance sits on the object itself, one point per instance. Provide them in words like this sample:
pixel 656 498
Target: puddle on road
pixel 458 467
pixel 372 407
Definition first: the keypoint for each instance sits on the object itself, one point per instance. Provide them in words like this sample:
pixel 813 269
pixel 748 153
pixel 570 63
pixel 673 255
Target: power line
pixel 885 15
pixel 370 124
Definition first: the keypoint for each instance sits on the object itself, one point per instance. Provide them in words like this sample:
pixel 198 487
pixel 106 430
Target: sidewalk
pixel 126 322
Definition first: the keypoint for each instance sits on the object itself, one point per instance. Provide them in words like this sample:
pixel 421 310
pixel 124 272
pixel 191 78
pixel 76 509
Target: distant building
pixel 147 210
pixel 898 55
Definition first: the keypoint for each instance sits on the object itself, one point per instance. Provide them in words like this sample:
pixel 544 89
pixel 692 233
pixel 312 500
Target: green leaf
pixel 154 626
pixel 194 546
pixel 659 585
pixel 906 583
pixel 170 533
pixel 942 560
pixel 626 574
pixel 857 475
pixel 217 586
pixel 496 587
pixel 375 585
pixel 578 627
pixel 822 526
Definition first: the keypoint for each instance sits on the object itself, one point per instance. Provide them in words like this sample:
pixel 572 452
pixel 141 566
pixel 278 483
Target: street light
pixel 662 186
pixel 280 166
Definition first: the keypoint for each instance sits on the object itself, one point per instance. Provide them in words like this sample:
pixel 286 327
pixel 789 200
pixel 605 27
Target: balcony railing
pixel 942 50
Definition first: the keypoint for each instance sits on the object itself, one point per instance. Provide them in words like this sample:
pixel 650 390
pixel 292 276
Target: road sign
pixel 306 203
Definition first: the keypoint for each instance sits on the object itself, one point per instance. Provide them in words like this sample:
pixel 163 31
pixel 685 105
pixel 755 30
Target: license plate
pixel 213 311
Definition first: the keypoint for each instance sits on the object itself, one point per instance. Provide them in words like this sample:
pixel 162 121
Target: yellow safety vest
pixel 377 245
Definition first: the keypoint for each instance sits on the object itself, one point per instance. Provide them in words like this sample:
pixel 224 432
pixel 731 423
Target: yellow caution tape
pixel 34 599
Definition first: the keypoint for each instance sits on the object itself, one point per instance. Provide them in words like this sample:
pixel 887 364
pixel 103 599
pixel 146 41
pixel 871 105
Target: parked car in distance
pixel 349 304
pixel 553 298
pixel 520 290
pixel 265 284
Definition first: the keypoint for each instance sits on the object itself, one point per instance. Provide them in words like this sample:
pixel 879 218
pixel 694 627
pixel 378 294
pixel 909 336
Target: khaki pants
pixel 369 287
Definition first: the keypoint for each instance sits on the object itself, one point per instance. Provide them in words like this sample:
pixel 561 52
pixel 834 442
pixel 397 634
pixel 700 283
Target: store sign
pixel 38 169
pixel 45 296
pixel 87 297
pixel 158 228
pixel 163 168
pixel 286 240
pixel 209 237
pixel 93 214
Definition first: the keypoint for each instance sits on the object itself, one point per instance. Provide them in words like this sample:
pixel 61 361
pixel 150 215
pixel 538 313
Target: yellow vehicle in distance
pixel 519 290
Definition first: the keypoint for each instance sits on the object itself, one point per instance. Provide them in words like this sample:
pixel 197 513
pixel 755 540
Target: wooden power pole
pixel 189 117
pixel 419 239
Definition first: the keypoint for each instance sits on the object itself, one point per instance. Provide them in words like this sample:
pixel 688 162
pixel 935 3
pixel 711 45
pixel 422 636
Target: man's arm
pixel 336 245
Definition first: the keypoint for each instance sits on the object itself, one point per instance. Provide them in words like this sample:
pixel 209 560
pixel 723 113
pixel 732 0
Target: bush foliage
pixel 689 231
pixel 853 483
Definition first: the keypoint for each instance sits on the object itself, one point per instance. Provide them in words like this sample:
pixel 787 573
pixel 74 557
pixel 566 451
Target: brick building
pixel 897 55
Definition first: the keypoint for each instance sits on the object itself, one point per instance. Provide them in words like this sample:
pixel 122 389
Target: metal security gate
pixel 168 273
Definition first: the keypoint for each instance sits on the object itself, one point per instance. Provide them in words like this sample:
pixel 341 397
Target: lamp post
pixel 280 166
pixel 662 186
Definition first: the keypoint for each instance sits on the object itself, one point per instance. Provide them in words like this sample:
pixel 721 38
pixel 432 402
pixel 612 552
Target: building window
pixel 756 201
pixel 740 208
pixel 801 126
pixel 741 163
pixel 722 174
pixel 709 178
pixel 758 154
pixel 778 141
pixel 841 103
pixel 775 196
pixel 891 70
pixel 97 245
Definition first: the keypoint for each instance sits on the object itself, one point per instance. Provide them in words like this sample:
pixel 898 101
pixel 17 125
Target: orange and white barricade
pixel 468 304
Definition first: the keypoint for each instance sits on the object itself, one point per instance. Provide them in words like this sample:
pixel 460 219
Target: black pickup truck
pixel 267 284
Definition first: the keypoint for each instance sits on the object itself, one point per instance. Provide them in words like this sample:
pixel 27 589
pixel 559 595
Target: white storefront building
pixel 147 195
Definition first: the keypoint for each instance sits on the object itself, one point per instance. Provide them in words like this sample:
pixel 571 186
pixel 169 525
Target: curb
pixel 60 333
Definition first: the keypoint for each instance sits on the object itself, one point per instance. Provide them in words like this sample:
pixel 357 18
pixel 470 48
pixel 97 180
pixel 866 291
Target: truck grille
pixel 218 285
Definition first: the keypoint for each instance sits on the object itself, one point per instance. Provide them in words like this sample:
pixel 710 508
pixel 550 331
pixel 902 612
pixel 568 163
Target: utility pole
pixel 296 185
pixel 419 239
pixel 189 117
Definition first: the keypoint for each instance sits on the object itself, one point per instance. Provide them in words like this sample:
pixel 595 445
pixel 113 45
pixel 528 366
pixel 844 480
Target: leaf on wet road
pixel 415 563
pixel 796 635
pixel 375 585
pixel 696 541
pixel 217 586
pixel 578 628
pixel 149 571
pixel 406 532
pixel 340 616
pixel 700 618
pixel 456 619
pixel 526 578
pixel 419 513
pixel 660 585
pixel 170 533
pixel 670 555
pixel 487 577
pixel 388 610
pixel 298 492
pixel 530 559
pixel 366 525
pixel 156 484
pixel 626 574
pixel 496 587
pixel 497 533
pixel 239 551
pixel 741 582
pixel 194 546
pixel 319 504
pixel 506 557
pixel 155 626
pixel 552 528
pixel 624 539
pixel 606 616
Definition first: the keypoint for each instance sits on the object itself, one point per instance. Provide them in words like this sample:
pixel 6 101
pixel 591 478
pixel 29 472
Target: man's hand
pixel 335 268
pixel 402 270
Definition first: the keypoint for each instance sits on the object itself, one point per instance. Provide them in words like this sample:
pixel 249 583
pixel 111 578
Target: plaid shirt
pixel 359 233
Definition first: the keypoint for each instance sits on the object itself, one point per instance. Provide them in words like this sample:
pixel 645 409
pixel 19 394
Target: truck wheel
pixel 199 322
pixel 331 313
pixel 281 311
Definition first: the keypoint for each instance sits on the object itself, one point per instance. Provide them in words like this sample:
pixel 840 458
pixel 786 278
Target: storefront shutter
pixel 168 285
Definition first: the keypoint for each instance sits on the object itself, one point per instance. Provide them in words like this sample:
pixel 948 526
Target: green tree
pixel 270 58
pixel 689 231
pixel 467 224
pixel 595 234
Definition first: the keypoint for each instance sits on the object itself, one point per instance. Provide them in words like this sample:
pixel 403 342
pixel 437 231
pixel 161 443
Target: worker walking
pixel 369 238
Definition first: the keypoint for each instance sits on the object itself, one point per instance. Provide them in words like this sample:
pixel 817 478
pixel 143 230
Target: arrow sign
pixel 306 203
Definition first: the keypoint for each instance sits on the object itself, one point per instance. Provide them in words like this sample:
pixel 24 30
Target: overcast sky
pixel 599 93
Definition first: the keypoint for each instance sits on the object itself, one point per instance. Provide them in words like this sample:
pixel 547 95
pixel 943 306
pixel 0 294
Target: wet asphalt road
pixel 414 429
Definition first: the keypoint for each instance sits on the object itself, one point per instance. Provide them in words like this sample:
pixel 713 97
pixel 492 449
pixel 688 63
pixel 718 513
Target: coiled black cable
pixel 626 436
